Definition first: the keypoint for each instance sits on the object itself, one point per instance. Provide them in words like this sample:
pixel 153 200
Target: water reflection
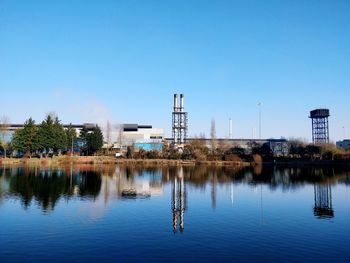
pixel 135 183
pixel 47 186
pixel 101 185
pixel 323 201
pixel 179 200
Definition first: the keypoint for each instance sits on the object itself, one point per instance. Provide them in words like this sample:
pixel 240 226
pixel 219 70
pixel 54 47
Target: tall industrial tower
pixel 179 121
pixel 320 129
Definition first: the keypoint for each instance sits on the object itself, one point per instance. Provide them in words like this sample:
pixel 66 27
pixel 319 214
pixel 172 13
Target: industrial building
pixel 344 144
pixel 141 136
pixel 78 127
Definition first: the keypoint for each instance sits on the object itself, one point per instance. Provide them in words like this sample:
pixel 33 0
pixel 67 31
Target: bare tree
pixel 224 145
pixel 120 135
pixel 108 135
pixel 4 123
pixel 52 114
pixel 213 135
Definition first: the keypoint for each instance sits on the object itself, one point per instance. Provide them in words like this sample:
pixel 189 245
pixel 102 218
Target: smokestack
pixel 230 127
pixel 175 103
pixel 182 107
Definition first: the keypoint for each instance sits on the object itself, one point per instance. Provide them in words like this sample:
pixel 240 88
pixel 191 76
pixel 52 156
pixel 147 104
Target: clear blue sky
pixel 90 61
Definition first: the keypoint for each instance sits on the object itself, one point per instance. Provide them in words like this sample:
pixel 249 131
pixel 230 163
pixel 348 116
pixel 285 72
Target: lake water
pixel 124 214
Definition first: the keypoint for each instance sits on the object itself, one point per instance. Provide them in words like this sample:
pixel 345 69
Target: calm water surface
pixel 119 214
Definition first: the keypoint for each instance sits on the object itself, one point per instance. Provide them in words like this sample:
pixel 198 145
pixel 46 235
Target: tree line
pixel 222 151
pixel 51 138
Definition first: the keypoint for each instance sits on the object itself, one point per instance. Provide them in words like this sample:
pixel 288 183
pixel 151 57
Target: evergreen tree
pixel 60 142
pixel 26 140
pixel 71 135
pixel 95 140
pixel 83 136
pixel 46 135
pixel 51 136
pixel 91 141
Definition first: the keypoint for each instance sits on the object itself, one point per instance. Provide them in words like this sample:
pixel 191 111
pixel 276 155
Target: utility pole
pixel 259 105
pixel 253 133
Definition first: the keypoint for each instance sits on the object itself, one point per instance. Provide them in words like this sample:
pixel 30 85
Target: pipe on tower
pixel 182 106
pixel 175 103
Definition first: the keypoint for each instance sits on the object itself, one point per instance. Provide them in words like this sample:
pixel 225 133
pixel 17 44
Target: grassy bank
pixel 64 160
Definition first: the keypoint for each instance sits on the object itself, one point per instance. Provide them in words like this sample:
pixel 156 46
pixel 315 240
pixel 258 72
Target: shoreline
pixel 108 160
pixel 99 160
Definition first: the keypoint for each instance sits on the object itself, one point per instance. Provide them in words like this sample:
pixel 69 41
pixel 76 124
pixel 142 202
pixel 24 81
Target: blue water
pixel 116 214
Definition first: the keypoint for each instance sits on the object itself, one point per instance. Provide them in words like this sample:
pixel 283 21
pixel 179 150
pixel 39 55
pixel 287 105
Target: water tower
pixel 320 129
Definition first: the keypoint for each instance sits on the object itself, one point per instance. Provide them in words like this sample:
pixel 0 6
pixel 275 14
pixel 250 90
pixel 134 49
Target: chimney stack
pixel 182 107
pixel 175 103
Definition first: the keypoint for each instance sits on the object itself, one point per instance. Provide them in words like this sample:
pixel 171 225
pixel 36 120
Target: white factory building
pixel 140 136
pixel 135 133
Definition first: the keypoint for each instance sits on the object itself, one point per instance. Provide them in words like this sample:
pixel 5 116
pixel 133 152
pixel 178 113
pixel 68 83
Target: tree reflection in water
pixel 47 186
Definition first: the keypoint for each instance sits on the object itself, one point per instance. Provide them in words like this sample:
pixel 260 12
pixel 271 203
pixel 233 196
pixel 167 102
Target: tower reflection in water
pixel 323 201
pixel 179 201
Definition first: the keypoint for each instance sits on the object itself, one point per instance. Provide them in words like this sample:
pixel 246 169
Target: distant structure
pixel 320 129
pixel 344 144
pixel 78 127
pixel 180 120
pixel 230 129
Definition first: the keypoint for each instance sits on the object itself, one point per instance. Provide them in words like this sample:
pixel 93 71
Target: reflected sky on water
pixel 109 213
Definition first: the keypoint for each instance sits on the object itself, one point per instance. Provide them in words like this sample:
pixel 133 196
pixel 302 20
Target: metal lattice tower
pixel 320 129
pixel 180 122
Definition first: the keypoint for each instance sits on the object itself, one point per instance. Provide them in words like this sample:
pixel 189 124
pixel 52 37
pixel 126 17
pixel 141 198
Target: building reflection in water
pixel 139 184
pixel 323 201
pixel 214 189
pixel 179 201
pixel 231 193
